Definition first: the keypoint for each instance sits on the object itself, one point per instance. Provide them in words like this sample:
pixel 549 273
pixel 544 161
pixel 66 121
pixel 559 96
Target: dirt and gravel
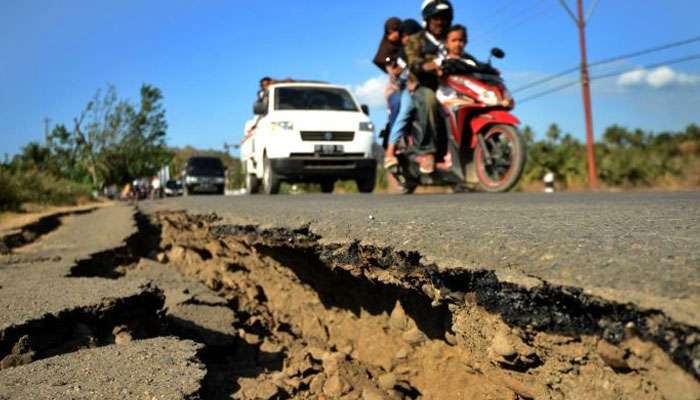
pixel 281 313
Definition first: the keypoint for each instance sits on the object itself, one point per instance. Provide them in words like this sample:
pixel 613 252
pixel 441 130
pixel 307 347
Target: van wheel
pixel 252 184
pixel 365 183
pixel 327 186
pixel 271 182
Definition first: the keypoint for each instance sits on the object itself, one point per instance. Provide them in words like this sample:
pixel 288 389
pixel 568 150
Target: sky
pixel 208 56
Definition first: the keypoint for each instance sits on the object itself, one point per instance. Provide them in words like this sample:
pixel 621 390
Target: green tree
pixel 112 141
pixel 33 156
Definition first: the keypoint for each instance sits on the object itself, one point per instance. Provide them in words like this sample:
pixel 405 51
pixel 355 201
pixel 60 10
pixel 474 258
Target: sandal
pixel 390 160
pixel 427 164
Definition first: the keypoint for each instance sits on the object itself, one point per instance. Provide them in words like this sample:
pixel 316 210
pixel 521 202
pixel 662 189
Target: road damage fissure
pixel 113 263
pixel 386 313
pixel 34 231
pixel 556 309
pixel 293 317
pixel 113 320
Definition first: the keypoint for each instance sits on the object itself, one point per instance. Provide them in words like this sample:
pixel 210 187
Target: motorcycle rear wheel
pixel 508 154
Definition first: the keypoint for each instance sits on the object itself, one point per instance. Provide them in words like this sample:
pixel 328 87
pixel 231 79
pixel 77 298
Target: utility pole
pixel 47 122
pixel 580 19
pixel 227 149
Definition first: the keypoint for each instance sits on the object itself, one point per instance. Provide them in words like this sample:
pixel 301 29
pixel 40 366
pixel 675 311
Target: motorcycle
pixel 482 145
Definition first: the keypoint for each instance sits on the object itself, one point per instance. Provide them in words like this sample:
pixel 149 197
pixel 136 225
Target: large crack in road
pixel 35 230
pixel 351 321
pixel 279 314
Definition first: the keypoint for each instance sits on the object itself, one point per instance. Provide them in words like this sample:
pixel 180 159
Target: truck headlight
pixel 283 125
pixel 191 179
pixel 367 126
pixel 220 180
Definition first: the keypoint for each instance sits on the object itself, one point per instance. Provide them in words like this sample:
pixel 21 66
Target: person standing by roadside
pixel 155 188
pixel 424 53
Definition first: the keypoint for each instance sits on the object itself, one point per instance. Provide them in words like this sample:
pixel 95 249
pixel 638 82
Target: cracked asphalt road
pixel 642 248
pixel 46 313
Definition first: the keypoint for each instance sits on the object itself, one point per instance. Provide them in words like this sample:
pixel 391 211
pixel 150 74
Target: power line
pixel 569 11
pixel 499 10
pixel 650 66
pixel 592 9
pixel 609 75
pixel 533 14
pixel 550 91
pixel 502 23
pixel 608 61
pixel 647 51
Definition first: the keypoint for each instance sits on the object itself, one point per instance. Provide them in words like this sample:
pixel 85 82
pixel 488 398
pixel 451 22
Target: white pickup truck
pixel 308 132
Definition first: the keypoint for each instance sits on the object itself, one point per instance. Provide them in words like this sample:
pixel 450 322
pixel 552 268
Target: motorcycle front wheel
pixel 500 164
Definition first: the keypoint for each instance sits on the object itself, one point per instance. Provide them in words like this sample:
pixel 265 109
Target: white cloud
pixel 688 79
pixel 661 77
pixel 371 92
pixel 657 78
pixel 632 78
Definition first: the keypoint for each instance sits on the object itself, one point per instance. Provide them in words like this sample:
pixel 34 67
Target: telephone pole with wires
pixel 580 19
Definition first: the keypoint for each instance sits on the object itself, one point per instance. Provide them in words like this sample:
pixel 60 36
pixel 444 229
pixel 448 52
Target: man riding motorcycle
pixel 425 52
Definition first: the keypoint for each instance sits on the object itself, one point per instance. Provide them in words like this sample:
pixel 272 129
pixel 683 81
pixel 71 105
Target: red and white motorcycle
pixel 483 144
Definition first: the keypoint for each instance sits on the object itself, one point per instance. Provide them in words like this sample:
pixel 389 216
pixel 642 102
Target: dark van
pixel 204 175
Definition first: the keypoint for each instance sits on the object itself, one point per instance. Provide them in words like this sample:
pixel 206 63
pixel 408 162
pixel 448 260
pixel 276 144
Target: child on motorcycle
pixel 456 42
pixel 457 61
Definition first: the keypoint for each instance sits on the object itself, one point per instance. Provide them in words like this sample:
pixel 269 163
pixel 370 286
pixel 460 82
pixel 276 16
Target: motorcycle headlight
pixel 283 125
pixel 488 97
pixel 367 126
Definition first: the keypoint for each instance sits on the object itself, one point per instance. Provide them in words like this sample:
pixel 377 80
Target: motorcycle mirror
pixel 498 53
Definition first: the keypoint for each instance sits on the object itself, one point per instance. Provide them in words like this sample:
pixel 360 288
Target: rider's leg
pixel 398 127
pixel 427 117
pixel 394 101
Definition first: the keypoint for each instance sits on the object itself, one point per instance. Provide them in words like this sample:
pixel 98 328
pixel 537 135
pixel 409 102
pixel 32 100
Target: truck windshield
pixel 313 98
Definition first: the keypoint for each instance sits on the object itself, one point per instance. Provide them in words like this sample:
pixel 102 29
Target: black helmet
pixel 432 8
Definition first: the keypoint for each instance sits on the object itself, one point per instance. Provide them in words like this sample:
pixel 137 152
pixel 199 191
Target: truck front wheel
pixel 271 181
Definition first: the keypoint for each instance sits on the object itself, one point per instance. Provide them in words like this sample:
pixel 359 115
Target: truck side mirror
pixel 260 108
pixel 365 109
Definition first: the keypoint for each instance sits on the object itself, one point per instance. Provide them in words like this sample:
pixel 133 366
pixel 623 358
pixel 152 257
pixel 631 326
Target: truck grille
pixel 327 136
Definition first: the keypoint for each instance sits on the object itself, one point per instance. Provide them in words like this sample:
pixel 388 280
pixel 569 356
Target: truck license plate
pixel 329 148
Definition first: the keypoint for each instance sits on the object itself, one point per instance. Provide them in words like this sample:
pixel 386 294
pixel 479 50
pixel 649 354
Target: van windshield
pixel 206 163
pixel 313 98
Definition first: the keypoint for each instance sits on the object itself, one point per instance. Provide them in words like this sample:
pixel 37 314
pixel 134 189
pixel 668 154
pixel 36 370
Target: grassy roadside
pixel 36 187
